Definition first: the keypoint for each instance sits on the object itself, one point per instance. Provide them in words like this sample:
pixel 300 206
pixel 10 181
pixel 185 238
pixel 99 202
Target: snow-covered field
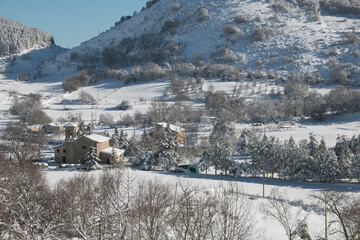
pixel 265 227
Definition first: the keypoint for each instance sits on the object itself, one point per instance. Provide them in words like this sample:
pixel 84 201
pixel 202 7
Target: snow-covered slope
pixel 16 38
pixel 274 35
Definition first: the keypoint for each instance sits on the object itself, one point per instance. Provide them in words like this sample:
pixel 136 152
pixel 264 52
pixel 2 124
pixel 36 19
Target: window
pixel 57 150
pixel 84 147
pixel 64 150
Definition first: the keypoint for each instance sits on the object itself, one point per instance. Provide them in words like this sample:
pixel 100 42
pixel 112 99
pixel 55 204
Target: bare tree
pixel 193 213
pixel 234 219
pixel 26 206
pixel 346 209
pixel 20 143
pixel 279 209
pixel 152 212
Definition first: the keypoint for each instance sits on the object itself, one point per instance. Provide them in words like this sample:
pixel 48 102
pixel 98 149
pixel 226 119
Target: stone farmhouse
pixel 75 149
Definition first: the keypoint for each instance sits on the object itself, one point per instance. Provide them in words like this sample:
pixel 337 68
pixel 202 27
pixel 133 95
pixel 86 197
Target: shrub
pixel 203 14
pixel 74 82
pixel 185 69
pixel 240 19
pixel 86 98
pixel 223 54
pixel 263 33
pixel 257 35
pixel 169 24
pixel 124 105
pixel 175 7
pixel 225 72
pixel 117 74
pixel 151 72
pixel 351 38
pixel 150 3
pixel 232 30
pixel 280 5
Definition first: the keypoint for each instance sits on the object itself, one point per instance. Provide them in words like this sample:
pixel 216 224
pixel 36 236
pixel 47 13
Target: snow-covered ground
pixel 265 227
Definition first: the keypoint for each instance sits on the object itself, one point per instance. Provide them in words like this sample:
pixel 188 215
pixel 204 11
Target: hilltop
pixel 260 39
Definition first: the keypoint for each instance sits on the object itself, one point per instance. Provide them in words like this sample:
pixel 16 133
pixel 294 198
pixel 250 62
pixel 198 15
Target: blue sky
pixel 69 21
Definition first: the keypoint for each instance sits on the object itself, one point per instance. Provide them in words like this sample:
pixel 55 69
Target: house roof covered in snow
pixel 172 127
pixel 70 124
pixel 109 150
pixel 53 124
pixel 97 138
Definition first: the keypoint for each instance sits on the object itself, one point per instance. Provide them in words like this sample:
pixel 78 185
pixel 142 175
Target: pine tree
pixel 81 131
pixel 88 130
pixel 355 167
pixel 123 141
pixel 327 167
pixel 114 140
pixel 221 147
pixel 345 159
pixel 91 160
pixel 313 145
pixel 247 140
pixel 146 142
pixel 206 160
pixel 167 152
pixel 146 159
pixel 133 147
pixel 114 156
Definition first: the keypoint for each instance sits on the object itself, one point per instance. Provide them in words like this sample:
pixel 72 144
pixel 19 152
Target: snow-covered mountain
pixel 16 38
pixel 316 38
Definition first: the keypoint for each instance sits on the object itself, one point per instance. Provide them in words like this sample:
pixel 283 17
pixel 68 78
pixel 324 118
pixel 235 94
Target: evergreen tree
pixel 341 143
pixel 146 159
pixel 167 152
pixel 133 147
pixel 313 145
pixel 221 147
pixel 123 141
pixel 305 166
pixel 327 167
pixel 206 160
pixel 247 140
pixel 355 167
pixel 345 159
pixel 82 130
pixel 354 144
pixel 146 142
pixel 88 130
pixel 91 160
pixel 114 156
pixel 114 140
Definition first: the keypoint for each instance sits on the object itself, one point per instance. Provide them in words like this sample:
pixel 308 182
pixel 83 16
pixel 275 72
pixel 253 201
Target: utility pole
pixel 263 170
pixel 326 230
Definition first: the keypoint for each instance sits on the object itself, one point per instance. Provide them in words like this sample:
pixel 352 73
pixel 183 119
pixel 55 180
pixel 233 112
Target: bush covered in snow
pixel 86 98
pixel 203 14
pixel 175 7
pixel 74 82
pixel 224 54
pixel 232 30
pixel 240 19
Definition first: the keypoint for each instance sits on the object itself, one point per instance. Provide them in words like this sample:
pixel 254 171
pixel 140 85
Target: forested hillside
pixel 16 37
